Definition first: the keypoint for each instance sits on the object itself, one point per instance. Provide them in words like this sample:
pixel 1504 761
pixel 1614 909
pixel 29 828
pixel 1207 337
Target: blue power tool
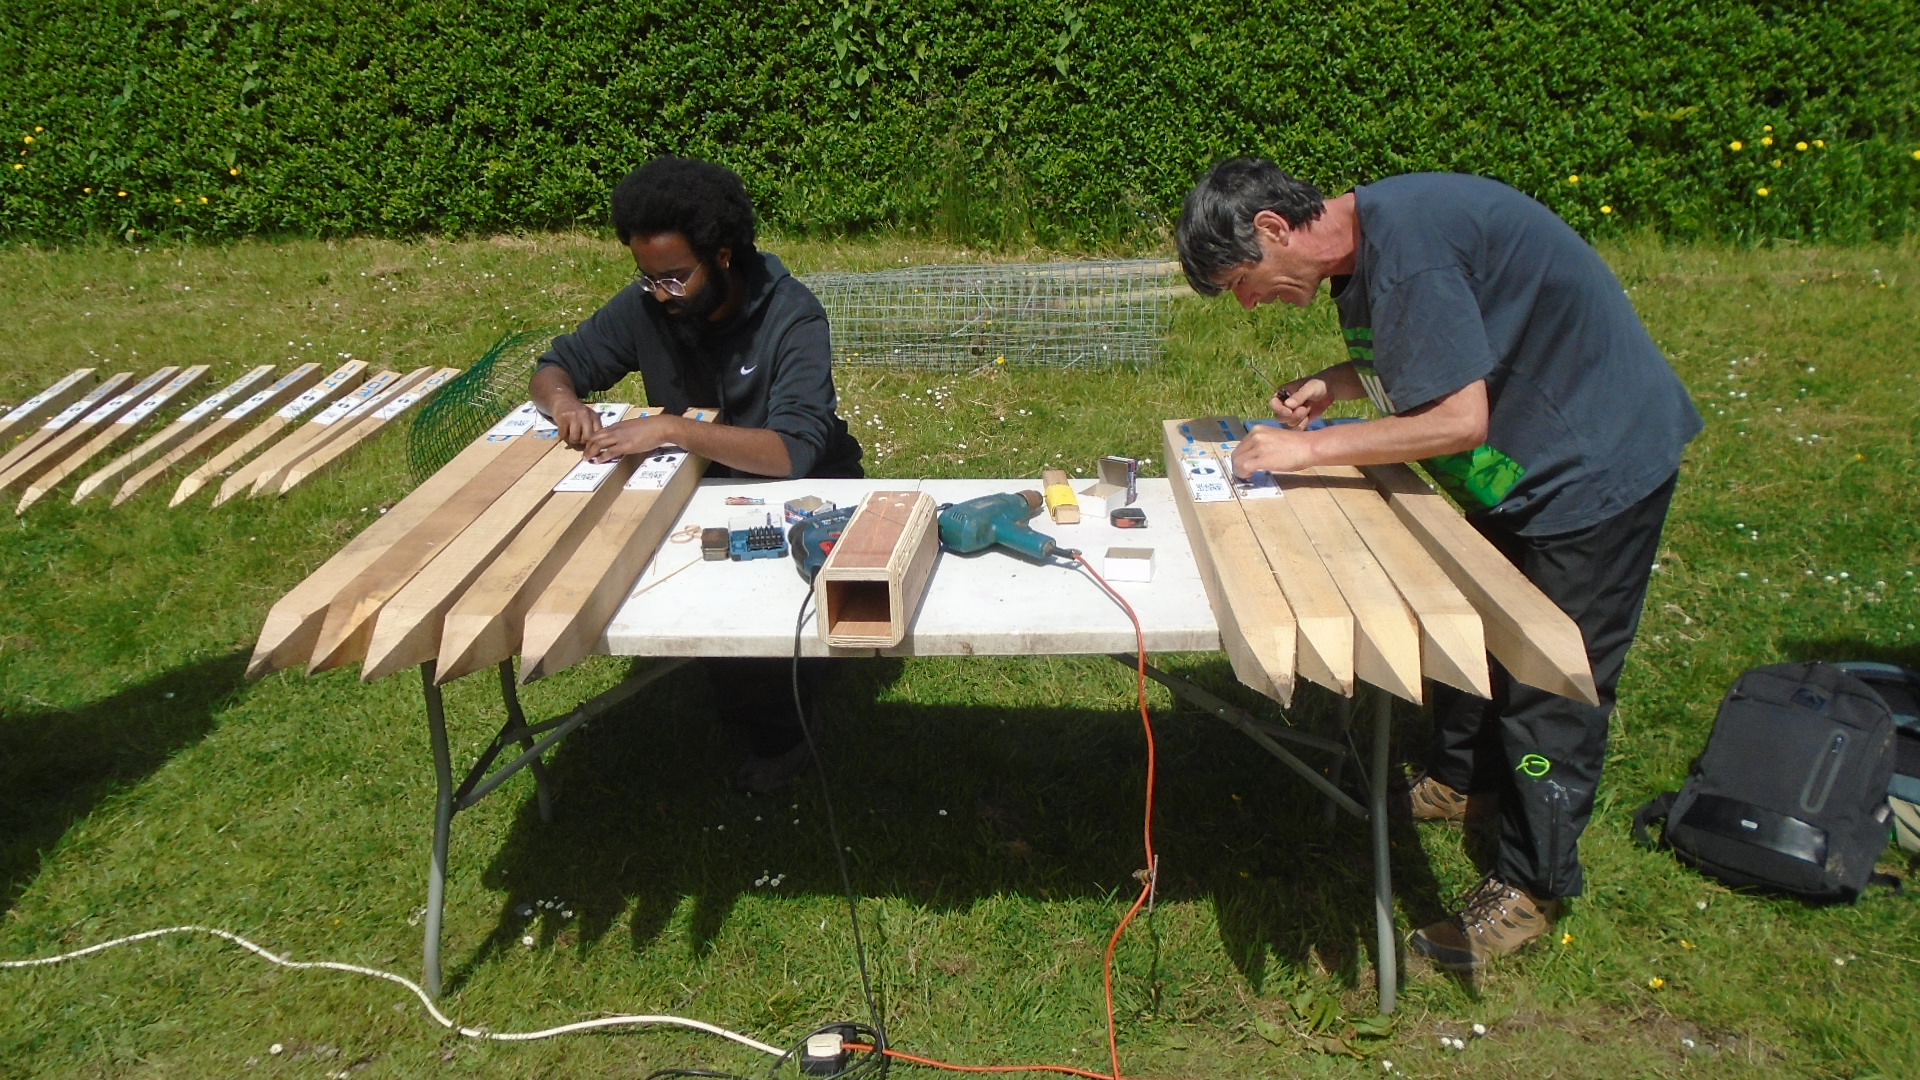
pixel 978 524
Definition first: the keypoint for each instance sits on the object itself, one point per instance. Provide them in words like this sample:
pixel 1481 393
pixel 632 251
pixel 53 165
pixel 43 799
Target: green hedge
pixel 1076 124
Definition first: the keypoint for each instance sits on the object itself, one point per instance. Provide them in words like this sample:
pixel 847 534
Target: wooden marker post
pixel 293 625
pixel 173 434
pixel 1062 506
pixel 129 422
pixel 1531 637
pixel 212 436
pixel 407 630
pixel 872 581
pixel 566 621
pixel 268 482
pixel 343 379
pixel 60 422
pixel 485 624
pixel 320 456
pixel 48 402
pixel 76 434
pixel 276 458
pixel 1257 625
pixel 1453 640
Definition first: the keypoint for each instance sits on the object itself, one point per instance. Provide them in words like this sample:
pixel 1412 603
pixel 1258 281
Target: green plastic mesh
pixel 473 401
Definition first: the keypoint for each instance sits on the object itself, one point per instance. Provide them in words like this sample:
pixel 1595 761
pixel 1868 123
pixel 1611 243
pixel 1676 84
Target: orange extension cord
pixel 1146 887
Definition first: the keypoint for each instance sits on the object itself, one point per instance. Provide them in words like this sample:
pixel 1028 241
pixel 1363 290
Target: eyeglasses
pixel 672 286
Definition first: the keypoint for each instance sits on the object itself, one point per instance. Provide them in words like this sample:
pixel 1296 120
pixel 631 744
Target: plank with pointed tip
pixel 293 624
pixel 568 618
pixel 406 630
pixel 60 423
pixel 77 433
pixel 268 483
pixel 1258 629
pixel 484 624
pixel 276 458
pixel 166 439
pixel 1531 637
pixel 342 380
pixel 1453 640
pixel 125 425
pixel 219 432
pixel 65 391
pixel 320 456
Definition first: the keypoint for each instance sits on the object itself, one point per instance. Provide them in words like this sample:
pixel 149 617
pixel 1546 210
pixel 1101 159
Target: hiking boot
pixel 1497 919
pixel 1431 800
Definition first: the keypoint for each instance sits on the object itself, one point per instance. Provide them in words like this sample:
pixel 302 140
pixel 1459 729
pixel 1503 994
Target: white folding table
pixel 992 603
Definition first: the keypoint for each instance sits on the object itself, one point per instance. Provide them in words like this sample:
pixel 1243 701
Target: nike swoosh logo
pixel 745 370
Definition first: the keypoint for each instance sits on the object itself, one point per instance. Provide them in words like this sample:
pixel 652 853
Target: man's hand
pixel 1301 401
pixel 636 436
pixel 1273 449
pixel 577 422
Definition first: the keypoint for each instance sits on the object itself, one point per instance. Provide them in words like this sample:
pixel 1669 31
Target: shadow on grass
pixel 1851 649
pixel 945 807
pixel 57 765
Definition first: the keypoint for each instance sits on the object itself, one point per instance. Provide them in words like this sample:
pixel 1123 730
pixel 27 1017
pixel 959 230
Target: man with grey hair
pixel 1504 356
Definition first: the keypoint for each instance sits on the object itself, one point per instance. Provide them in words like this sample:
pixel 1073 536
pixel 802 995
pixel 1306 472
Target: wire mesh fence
pixel 469 404
pixel 1057 314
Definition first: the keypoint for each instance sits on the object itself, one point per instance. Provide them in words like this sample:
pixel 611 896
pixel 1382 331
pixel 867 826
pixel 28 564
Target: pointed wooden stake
pixel 58 423
pixel 567 620
pixel 343 379
pixel 293 626
pixel 1258 628
pixel 166 439
pixel 1453 643
pixel 288 450
pixel 406 631
pixel 46 403
pixel 320 456
pixel 219 432
pixel 76 434
pixel 1531 637
pixel 268 483
pixel 132 420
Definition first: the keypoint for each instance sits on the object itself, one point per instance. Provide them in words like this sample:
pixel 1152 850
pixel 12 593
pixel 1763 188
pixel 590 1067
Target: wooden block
pixel 485 624
pixel 342 380
pixel 132 420
pixel 338 446
pixel 407 630
pixel 1453 641
pixel 78 433
pixel 288 450
pixel 1062 507
pixel 567 619
pixel 58 423
pixel 67 390
pixel 293 625
pixel 219 432
pixel 872 582
pixel 1531 637
pixel 1257 625
pixel 166 439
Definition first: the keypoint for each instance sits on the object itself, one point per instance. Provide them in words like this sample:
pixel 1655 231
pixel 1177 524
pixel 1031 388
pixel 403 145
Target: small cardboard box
pixel 1128 564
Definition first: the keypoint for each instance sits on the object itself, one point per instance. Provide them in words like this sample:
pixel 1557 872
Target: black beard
pixel 689 318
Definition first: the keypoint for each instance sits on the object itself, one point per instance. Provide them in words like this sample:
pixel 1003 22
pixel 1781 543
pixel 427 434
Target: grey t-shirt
pixel 770 366
pixel 1461 278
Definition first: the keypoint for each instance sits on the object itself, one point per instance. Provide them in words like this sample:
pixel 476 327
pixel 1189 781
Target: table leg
pixel 1386 960
pixel 516 718
pixel 442 827
pixel 1343 712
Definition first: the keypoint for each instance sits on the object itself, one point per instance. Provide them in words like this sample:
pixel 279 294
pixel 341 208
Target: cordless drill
pixel 978 524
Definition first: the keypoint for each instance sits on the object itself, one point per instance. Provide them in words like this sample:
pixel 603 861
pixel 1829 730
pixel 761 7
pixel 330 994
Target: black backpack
pixel 1899 687
pixel 1791 793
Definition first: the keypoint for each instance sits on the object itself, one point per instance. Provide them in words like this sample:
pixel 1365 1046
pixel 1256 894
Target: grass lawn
pixel 991 806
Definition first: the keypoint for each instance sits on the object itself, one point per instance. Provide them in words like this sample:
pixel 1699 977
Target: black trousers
pixel 1542 752
pixel 754 697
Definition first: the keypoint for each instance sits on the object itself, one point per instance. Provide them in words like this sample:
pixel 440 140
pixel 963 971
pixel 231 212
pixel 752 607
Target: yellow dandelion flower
pixel 1764 192
pixel 17 165
pixel 1819 144
pixel 999 359
pixel 123 194
pixel 1656 982
pixel 37 129
pixel 1574 179
pixel 1688 945
pixel 1800 146
pixel 203 200
pixel 177 202
pixel 1768 141
pixel 1736 145
pixel 235 171
pixel 1776 163
pixel 29 140
pixel 1606 209
pixel 1768 127
pixel 1916 155
pixel 87 190
pixel 1566 938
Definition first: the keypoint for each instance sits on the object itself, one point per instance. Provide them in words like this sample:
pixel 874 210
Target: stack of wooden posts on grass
pixel 74 423
pixel 517 545
pixel 1334 574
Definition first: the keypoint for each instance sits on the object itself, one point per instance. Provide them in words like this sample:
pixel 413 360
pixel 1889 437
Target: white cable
pixel 438 1016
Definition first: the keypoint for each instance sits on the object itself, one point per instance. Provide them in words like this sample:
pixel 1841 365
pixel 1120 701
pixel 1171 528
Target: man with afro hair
pixel 710 322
